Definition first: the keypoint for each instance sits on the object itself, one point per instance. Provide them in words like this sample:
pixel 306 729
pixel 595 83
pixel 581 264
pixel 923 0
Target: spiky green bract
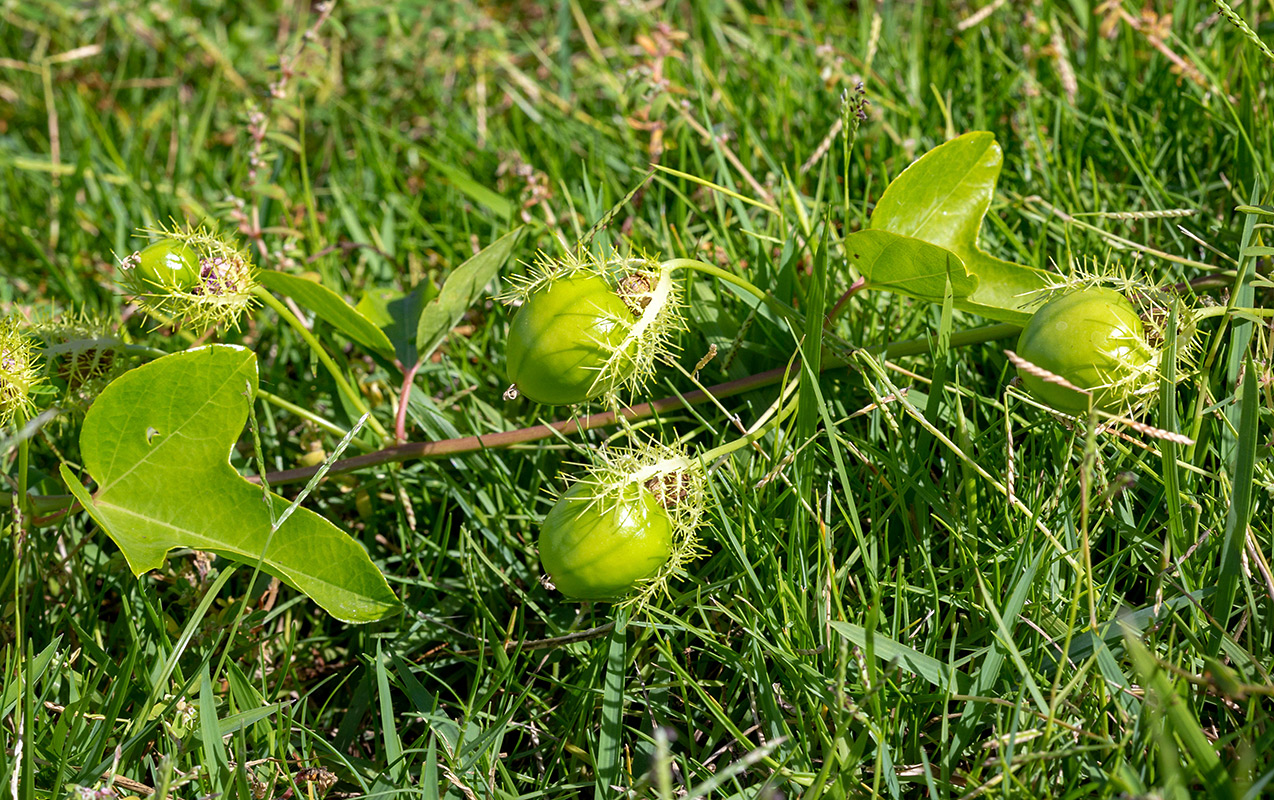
pixel 83 354
pixel 1137 380
pixel 19 370
pixel 221 293
pixel 676 479
pixel 647 287
pixel 561 338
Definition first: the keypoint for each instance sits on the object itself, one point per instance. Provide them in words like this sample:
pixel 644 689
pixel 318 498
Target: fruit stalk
pixel 24 466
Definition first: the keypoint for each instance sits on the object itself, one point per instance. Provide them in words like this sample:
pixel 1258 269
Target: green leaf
pixel 908 266
pixel 931 669
pixel 398 316
pixel 1239 514
pixel 463 287
pixel 941 198
pixel 158 440
pixel 476 191
pixel 330 308
pixel 245 719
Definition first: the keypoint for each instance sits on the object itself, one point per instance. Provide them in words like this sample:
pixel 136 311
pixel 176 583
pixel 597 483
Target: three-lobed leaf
pixel 908 266
pixel 942 198
pixel 158 441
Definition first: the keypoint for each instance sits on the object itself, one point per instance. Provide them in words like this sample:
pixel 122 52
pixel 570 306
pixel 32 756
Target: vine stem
pixel 763 427
pixel 400 419
pixel 304 413
pixel 576 425
pixel 24 466
pixel 314 344
pixel 1217 311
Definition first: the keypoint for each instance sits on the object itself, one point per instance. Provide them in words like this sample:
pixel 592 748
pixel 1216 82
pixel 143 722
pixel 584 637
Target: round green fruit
pixel 597 549
pixel 561 338
pixel 1094 339
pixel 169 264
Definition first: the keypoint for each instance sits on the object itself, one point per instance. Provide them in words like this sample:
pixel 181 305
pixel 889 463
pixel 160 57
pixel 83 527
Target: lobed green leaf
pixel 157 441
pixel 941 198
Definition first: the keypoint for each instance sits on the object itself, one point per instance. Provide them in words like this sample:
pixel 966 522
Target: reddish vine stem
pixel 575 425
pixel 854 288
pixel 400 421
pixel 470 444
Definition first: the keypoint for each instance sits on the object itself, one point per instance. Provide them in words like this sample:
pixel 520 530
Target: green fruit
pixel 596 549
pixel 1092 338
pixel 561 338
pixel 169 264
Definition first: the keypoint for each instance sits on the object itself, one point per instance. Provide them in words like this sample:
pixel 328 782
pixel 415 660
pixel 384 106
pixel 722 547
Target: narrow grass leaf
pixel 1177 719
pixel 908 659
pixel 388 719
pixel 608 743
pixel 329 307
pixel 988 673
pixel 1239 513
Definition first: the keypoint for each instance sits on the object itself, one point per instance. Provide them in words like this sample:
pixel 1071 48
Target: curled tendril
pixel 221 293
pixel 19 370
pixel 678 482
pixel 650 291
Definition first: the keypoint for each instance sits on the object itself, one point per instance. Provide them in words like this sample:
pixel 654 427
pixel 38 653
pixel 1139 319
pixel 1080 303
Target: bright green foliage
pixel 329 306
pixel 156 442
pixel 913 267
pixel 941 199
pixel 563 336
pixel 883 610
pixel 597 548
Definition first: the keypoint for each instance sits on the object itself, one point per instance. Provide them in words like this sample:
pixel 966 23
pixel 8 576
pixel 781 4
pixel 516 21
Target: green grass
pixel 874 616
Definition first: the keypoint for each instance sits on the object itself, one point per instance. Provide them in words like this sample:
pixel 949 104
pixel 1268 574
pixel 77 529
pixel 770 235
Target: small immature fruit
pixel 597 549
pixel 169 264
pixel 1094 339
pixel 562 337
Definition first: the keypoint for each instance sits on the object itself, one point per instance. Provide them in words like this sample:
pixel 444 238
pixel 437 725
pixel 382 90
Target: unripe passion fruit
pixel 596 549
pixel 1092 338
pixel 169 264
pixel 561 338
